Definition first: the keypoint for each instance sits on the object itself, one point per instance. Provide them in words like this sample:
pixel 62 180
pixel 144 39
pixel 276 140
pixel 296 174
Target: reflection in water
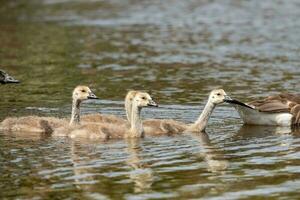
pixel 87 163
pixel 89 167
pixel 26 135
pixel 141 174
pixel 213 156
pixel 285 135
pixel 178 49
pixel 82 155
pixel 248 131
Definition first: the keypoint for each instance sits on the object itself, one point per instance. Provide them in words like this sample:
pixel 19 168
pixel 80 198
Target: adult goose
pixel 6 78
pixel 275 110
pixel 48 124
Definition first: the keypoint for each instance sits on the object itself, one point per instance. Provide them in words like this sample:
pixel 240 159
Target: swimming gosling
pixel 48 124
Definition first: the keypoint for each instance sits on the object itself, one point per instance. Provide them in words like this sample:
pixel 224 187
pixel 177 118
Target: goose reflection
pixel 284 136
pixel 141 174
pixel 252 131
pixel 213 155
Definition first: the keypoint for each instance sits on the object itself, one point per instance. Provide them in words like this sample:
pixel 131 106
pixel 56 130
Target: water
pixel 178 51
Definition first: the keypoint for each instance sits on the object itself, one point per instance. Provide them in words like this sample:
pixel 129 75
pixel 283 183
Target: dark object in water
pixel 6 78
pixel 234 101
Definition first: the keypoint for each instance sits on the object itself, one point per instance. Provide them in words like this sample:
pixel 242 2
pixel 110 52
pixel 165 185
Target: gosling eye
pixel 83 91
pixel 144 98
pixel 218 94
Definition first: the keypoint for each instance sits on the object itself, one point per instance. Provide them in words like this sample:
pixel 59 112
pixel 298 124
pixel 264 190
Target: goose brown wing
pixel 294 107
pixel 280 103
pixel 272 106
pixel 286 96
pixel 277 103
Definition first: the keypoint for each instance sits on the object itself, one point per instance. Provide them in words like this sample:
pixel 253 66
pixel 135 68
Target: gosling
pixel 48 124
pixel 156 127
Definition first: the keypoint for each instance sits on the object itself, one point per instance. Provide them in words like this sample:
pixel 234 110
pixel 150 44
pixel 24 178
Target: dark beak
pixel 236 102
pixel 92 96
pixel 227 99
pixel 10 79
pixel 152 103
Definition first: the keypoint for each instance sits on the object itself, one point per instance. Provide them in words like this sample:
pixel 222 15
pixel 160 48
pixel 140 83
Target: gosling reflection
pixel 83 157
pixel 141 174
pixel 213 156
pixel 23 135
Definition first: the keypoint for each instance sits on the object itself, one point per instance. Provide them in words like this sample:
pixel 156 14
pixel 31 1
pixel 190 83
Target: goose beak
pixel 10 79
pixel 227 99
pixel 152 103
pixel 92 96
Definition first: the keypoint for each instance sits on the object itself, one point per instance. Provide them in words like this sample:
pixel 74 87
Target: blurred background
pixel 178 50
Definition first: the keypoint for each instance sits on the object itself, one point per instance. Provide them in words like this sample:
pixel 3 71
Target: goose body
pixel 255 117
pixel 101 118
pixel 33 124
pixel 157 127
pixel 48 124
pixel 6 78
pixel 276 110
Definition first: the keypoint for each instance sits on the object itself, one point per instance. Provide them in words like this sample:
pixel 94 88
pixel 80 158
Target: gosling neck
pixel 202 121
pixel 128 107
pixel 75 116
pixel 136 129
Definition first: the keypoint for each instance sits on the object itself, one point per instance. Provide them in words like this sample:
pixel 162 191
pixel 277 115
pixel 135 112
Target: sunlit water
pixel 177 50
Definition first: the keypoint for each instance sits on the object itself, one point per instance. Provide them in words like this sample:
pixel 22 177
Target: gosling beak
pixel 227 99
pixel 152 103
pixel 92 96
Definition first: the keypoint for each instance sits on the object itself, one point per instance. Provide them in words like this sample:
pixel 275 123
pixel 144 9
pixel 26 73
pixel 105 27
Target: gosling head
pixel 5 78
pixel 130 95
pixel 143 99
pixel 82 93
pixel 218 96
